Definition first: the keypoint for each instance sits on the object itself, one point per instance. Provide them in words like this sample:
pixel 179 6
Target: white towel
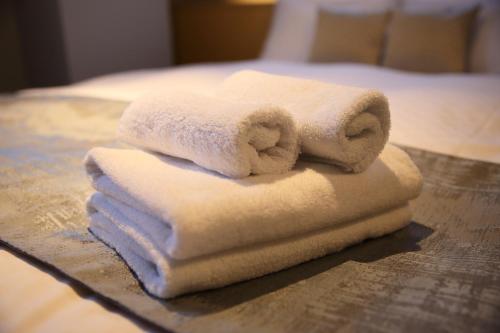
pixel 182 228
pixel 165 277
pixel 208 213
pixel 232 138
pixel 342 125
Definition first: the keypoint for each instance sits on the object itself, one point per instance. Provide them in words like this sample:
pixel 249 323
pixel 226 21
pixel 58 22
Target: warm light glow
pixel 252 2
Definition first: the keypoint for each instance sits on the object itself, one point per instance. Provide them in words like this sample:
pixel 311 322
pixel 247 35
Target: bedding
pixel 33 300
pixel 440 273
pixel 484 52
pixel 455 114
pixel 294 21
pixel 429 43
pixel 348 38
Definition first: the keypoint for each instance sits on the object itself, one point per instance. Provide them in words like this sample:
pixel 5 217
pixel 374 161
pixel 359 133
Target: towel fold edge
pixel 166 278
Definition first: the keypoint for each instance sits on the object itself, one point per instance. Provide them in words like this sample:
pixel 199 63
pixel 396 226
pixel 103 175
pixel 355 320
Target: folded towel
pixel 208 213
pixel 341 125
pixel 182 228
pixel 165 277
pixel 232 138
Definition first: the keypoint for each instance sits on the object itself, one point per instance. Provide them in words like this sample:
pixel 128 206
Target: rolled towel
pixel 342 125
pixel 208 213
pixel 165 277
pixel 235 139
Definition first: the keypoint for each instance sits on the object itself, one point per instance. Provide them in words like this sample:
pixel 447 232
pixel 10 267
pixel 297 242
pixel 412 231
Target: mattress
pixel 452 114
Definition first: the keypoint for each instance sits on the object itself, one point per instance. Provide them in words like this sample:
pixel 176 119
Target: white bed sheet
pixel 456 114
pixel 452 114
pixel 33 301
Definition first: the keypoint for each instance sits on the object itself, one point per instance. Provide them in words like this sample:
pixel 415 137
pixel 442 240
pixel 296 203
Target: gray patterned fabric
pixel 440 273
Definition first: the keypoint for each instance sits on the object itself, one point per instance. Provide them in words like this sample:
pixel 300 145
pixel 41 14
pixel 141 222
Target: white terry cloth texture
pixel 207 213
pixel 232 138
pixel 342 125
pixel 165 277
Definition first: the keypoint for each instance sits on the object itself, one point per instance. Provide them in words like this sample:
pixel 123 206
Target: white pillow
pixel 294 24
pixel 484 55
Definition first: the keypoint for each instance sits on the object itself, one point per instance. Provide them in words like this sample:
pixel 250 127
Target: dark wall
pixel 106 36
pixel 56 42
pixel 12 73
pixel 42 43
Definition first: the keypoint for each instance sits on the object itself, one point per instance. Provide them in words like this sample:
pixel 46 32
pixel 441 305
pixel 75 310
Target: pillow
pixel 348 38
pixel 429 43
pixel 485 44
pixel 294 21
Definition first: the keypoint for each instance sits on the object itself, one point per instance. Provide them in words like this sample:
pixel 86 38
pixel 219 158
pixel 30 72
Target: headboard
pixel 219 30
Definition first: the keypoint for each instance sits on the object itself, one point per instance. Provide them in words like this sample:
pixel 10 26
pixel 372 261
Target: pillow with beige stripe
pixel 348 37
pixel 429 43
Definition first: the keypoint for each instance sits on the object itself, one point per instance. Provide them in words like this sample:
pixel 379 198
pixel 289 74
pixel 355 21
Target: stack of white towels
pixel 246 206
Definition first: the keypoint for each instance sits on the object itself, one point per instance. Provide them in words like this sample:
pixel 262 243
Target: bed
pixel 450 115
pixel 445 265
pixel 455 114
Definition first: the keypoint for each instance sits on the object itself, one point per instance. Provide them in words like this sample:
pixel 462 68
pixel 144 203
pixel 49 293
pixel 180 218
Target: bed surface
pixel 452 114
pixel 455 114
